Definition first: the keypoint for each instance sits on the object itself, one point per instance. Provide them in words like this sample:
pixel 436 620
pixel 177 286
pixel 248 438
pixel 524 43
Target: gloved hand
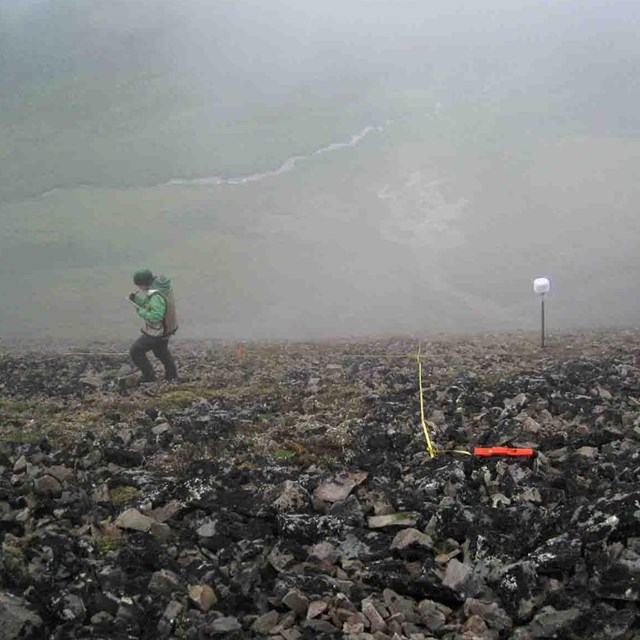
pixel 132 297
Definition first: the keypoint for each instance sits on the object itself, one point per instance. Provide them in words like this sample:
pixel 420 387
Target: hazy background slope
pixel 305 170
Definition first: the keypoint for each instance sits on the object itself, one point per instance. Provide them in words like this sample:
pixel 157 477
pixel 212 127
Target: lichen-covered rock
pixel 19 620
pixel 293 498
pixel 549 623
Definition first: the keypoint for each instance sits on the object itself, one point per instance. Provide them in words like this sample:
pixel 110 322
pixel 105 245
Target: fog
pixel 304 169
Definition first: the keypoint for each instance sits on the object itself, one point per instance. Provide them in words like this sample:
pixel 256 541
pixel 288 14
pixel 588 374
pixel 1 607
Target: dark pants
pixel 160 348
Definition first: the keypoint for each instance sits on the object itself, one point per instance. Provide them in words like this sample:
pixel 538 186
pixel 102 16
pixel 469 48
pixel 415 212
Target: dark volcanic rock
pixel 289 494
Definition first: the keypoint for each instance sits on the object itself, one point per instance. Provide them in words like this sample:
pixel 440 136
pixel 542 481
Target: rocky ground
pixel 284 491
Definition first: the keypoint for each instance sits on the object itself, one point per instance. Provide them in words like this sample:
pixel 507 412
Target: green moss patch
pixel 123 494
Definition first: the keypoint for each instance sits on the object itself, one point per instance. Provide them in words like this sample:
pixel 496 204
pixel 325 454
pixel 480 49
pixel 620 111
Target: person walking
pixel 156 305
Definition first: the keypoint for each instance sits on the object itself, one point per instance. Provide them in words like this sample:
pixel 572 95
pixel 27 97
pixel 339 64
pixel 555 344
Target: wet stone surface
pixel 287 493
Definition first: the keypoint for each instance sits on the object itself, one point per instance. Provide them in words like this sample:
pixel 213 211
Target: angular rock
pixel 409 519
pixel 352 626
pixel 412 542
pixel 101 618
pixel 531 494
pixel 293 498
pixel 134 520
pixel 72 608
pixel 203 596
pixel 342 602
pixel 18 619
pixel 350 511
pixel 61 473
pixel 517 402
pixel 587 452
pixel 164 581
pixel 432 614
pixel 461 578
pixel 166 512
pixel 264 624
pixel 620 580
pixel 397 604
pixel 319 626
pixel 47 486
pixel 556 554
pixel 124 457
pixel 316 608
pixel 161 532
pixel 207 530
pixel 93 380
pixel 517 587
pixel 376 621
pixel 279 558
pixel 530 425
pixel 172 610
pixel 325 552
pixel 20 465
pixel 491 613
pixel 596 529
pixel 549 623
pixel 381 505
pixel 475 627
pixel 221 626
pixel 297 602
pixel 159 429
pixel 339 487
pixel 286 622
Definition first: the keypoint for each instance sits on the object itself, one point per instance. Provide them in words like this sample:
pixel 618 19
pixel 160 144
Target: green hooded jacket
pixel 157 308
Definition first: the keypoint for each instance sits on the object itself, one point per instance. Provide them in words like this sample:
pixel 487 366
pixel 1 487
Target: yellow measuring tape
pixel 433 452
pixel 430 448
pixel 418 356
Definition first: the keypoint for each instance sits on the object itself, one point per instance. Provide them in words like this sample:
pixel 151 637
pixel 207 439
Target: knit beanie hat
pixel 143 277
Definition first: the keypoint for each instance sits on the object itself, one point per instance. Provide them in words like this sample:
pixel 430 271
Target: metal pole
pixel 542 323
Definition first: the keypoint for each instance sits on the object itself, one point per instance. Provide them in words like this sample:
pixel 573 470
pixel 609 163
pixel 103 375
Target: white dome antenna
pixel 541 287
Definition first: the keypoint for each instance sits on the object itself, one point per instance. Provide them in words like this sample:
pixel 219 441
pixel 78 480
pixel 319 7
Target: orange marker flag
pixel 502 451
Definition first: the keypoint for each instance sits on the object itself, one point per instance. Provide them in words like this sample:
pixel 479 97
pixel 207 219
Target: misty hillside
pixel 304 170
